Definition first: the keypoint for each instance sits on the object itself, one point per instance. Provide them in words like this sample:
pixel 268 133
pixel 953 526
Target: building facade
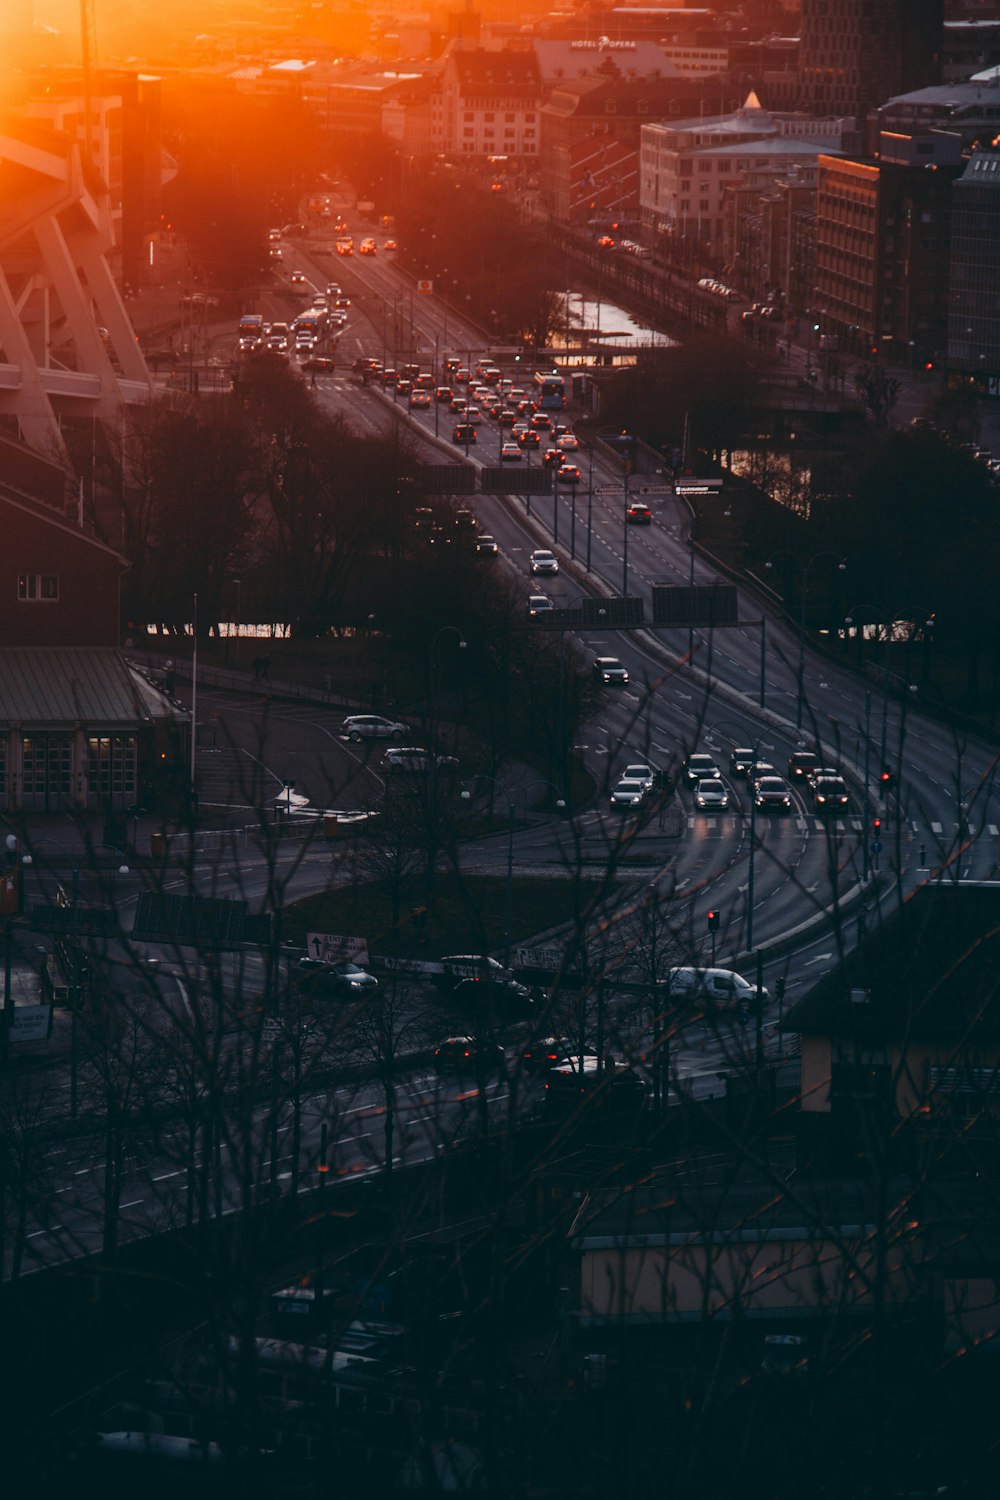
pixel 882 247
pixel 856 53
pixel 974 307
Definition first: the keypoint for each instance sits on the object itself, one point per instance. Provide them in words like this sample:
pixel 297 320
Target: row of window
pixel 47 767
pixel 490 117
pixel 509 134
pixel 35 587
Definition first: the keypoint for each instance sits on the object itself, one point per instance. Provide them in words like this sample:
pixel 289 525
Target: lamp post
pixel 432 665
pixel 807 566
pixel 512 801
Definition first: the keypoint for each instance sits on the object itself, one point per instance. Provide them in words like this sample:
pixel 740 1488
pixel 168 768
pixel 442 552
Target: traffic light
pixel 886 778
pixel 713 921
pixel 876 826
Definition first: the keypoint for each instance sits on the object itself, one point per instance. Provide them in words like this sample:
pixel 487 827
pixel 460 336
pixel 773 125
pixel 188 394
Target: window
pixel 489 117
pixel 38 586
pixel 508 119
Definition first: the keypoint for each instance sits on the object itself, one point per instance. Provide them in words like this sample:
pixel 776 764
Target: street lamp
pixel 512 800
pixel 803 592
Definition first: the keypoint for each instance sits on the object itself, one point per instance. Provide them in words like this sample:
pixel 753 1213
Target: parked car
pixel 372 727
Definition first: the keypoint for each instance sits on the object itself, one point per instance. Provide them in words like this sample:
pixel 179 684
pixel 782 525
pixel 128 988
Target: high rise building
pixel 855 54
pixel 973 311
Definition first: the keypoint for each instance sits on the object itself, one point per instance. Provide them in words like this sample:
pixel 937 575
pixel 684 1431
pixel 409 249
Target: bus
pixel 550 390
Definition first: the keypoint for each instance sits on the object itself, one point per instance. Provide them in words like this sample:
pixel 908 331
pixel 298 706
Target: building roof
pixel 929 973
pixel 496 72
pixel 55 687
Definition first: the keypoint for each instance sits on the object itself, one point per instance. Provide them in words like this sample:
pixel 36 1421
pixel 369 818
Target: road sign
pixel 613 613
pixel 610 491
pixel 271 1030
pixel 426 286
pixel 876 846
pixel 654 491
pixel 697 605
pixel 329 948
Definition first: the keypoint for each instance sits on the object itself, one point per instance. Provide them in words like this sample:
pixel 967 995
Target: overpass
pixel 67 346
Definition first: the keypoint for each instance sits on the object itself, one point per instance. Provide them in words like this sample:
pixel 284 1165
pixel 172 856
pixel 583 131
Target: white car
pixel 711 795
pixel 543 561
pixel 510 453
pixel 629 793
pixel 640 771
pixel 371 727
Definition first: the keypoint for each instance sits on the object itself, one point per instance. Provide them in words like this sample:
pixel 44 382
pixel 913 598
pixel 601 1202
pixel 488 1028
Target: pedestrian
pixel 312 380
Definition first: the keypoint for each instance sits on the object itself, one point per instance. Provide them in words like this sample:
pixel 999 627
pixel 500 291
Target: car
pixel 528 439
pixel 802 764
pixel 519 428
pixel 552 456
pixel 542 560
pixel 631 792
pixel 539 604
pixel 759 770
pixel 830 795
pixel 463 432
pixel 424 381
pixel 344 247
pixel 506 417
pixel 458 406
pixel 700 767
pixel 340 225
pixel 549 1051
pixel 404 387
pixel 510 453
pixel 541 420
pixel 443 393
pixel 610 670
pixel 606 241
pixel 367 246
pixel 641 771
pixel 567 474
pixel 338 978
pixel 468 1054
pixel 741 760
pixel 389 245
pixel 568 442
pixel 487 545
pixel 372 727
pixel 711 795
pixel 318 366
pixel 771 794
pixel 610 1086
pixel 504 992
pixel 474 415
pixel 414 760
pixel 297 278
pixel 820 771
pixel 639 514
pixel 419 400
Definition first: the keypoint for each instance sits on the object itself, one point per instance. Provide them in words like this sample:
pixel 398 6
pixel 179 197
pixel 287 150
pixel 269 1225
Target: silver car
pixel 629 793
pixel 543 561
pixel 371 727
pixel 711 795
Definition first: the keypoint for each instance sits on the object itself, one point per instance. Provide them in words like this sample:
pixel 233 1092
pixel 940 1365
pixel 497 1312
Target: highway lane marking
pixel 134 1204
pixel 937 828
pixel 821 958
pixel 36 1232
pixel 166 1175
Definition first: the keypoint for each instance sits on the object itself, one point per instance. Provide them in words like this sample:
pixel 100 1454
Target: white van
pixel 721 988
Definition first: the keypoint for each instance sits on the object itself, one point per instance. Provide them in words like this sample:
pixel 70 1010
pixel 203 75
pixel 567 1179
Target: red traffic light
pixel 713 921
pixel 886 776
pixel 876 824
